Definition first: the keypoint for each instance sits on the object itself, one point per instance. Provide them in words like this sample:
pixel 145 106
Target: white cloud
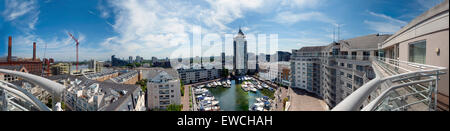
pixel 61 48
pixel 388 18
pixel 34 20
pixel 223 12
pixel 153 27
pixel 145 27
pixel 311 42
pixel 245 29
pixel 104 12
pixel 22 13
pixel 297 43
pixel 386 24
pixel 148 27
pixel 289 18
pixel 301 3
pixel 427 4
pixel 383 27
pixel 18 8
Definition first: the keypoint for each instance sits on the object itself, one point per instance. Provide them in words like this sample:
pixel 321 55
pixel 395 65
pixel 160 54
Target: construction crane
pixel 76 41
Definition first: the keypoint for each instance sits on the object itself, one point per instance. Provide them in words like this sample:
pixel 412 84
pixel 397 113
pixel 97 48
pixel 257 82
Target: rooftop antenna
pixel 339 32
pixel 334 33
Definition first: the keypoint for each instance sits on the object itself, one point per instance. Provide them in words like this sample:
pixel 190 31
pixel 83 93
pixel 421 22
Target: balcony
pixel 15 98
pixel 397 86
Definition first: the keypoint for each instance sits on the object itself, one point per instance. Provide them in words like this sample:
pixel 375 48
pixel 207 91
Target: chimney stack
pixel 9 48
pixel 34 51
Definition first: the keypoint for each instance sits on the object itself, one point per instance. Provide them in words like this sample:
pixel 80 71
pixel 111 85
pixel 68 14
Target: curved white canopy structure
pixel 53 87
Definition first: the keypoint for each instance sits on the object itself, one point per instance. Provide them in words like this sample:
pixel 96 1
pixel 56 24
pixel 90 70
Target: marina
pixel 225 95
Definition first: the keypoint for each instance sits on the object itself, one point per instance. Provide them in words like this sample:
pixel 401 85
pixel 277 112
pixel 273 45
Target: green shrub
pixel 173 107
pixel 284 101
pixel 181 88
pixel 268 93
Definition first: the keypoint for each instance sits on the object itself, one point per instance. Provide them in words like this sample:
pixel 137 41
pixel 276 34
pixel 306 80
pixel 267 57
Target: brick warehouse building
pixel 34 65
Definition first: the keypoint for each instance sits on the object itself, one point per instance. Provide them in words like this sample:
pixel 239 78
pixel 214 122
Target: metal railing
pixel 18 98
pixel 398 86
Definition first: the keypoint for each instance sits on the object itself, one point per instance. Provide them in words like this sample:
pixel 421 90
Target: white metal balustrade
pixel 398 86
pixel 18 99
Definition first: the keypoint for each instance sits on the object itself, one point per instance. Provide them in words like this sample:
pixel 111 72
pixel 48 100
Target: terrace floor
pixel 185 99
pixel 303 101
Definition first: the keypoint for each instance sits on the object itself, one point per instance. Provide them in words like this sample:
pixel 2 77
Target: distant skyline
pixel 159 27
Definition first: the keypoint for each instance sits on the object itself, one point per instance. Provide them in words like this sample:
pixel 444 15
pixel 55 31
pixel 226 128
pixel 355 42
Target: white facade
pixel 336 70
pixel 240 58
pixel 163 90
pixel 88 95
pixel 273 71
pixel 305 69
pixel 189 76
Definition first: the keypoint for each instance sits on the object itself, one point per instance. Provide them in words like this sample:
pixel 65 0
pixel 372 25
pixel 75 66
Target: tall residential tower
pixel 240 58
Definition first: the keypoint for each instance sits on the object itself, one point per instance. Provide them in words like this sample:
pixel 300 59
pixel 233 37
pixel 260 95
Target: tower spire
pixel 240 31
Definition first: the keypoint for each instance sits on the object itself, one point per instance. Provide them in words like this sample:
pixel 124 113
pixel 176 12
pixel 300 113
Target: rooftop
pixel 366 42
pixel 101 74
pixel 160 74
pixel 312 48
pixel 11 67
pixel 124 77
pixel 114 94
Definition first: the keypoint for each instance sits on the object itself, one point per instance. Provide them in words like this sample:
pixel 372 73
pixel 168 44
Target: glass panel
pixel 417 52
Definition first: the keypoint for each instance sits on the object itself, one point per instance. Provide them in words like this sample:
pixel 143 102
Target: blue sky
pixel 160 27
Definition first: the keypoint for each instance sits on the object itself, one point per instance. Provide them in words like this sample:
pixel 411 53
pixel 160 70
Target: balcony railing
pixel 398 86
pixel 393 86
pixel 17 98
pixel 14 98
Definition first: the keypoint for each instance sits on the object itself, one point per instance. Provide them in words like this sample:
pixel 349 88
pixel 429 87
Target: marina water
pixel 234 98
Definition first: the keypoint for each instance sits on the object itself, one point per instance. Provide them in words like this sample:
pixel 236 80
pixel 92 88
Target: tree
pixel 138 64
pixel 181 88
pixel 143 84
pixel 284 102
pixel 49 103
pixel 225 73
pixel 130 65
pixel 63 105
pixel 174 107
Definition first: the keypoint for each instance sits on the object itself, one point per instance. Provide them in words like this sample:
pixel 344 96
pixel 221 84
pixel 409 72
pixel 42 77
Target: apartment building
pixel 95 66
pixel 164 63
pixel 130 77
pixel 240 57
pixel 306 69
pixel 60 68
pixel 10 78
pixel 102 76
pixel 277 72
pixel 189 76
pixel 348 66
pixel 424 40
pixel 117 62
pixel 336 70
pixel 163 88
pixel 83 94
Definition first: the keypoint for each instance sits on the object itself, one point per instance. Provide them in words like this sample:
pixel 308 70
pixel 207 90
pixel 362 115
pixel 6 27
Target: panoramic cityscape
pixel 224 55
